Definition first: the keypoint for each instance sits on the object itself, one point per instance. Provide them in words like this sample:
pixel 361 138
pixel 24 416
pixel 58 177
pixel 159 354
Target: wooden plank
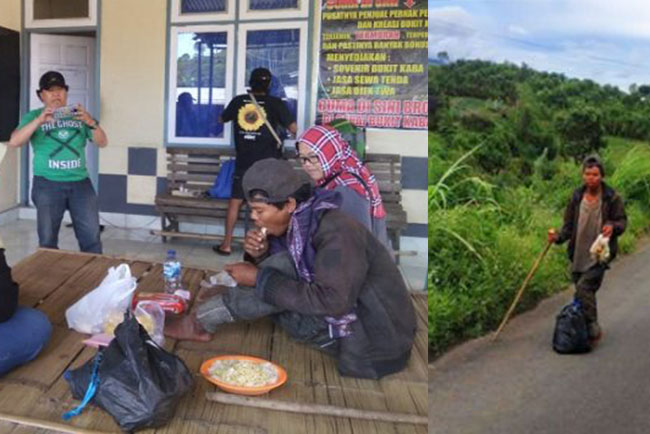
pixel 140 268
pixel 296 359
pixel 35 286
pixel 195 167
pixel 324 394
pixel 192 202
pixel 196 414
pixel 63 347
pixel 17 399
pixel 207 179
pixel 79 284
pixel 193 211
pixel 59 400
pixel 200 150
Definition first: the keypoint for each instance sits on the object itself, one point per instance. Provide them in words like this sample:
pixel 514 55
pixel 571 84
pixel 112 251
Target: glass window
pixel 278 51
pixel 257 5
pixel 274 9
pixel 183 11
pixel 201 88
pixel 60 13
pixel 53 9
pixel 202 6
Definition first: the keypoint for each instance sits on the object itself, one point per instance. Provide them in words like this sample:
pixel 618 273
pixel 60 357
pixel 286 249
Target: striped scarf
pixel 340 163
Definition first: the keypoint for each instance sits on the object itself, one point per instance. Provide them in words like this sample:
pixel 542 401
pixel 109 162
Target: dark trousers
pixel 586 284
pixel 243 304
pixel 53 198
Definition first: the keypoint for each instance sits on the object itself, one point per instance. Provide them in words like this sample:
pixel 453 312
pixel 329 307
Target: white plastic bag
pixel 89 314
pixel 600 249
pixel 223 278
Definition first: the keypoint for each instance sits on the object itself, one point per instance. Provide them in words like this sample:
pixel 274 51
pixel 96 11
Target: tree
pixel 582 130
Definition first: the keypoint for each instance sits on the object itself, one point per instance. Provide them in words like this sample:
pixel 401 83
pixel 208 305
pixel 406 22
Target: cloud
pixel 598 39
pixel 451 28
pixel 517 30
pixel 627 18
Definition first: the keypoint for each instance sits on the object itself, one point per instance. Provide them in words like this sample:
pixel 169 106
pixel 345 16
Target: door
pixel 74 57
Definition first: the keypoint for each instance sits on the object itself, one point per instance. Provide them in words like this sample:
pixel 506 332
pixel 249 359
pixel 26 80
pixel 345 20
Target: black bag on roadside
pixel 571 335
pixel 137 382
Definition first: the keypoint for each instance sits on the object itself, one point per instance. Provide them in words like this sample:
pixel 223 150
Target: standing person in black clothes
pixel 253 139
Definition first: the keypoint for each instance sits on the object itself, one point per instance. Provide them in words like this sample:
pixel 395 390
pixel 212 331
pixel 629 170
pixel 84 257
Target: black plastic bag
pixel 140 383
pixel 571 335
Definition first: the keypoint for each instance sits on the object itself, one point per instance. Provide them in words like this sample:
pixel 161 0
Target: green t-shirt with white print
pixel 59 148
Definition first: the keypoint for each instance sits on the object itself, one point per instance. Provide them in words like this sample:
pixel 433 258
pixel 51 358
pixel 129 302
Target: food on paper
pixel 244 373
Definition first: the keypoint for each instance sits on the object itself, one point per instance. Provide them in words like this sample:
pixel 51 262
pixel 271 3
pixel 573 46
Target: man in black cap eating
pixel 320 274
pixel 58 134
pixel 253 114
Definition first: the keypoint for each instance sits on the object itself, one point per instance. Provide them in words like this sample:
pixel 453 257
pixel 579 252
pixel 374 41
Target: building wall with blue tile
pixel 133 79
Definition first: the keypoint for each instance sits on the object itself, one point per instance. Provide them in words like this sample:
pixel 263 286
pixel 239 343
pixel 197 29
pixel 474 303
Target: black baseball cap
pixel 277 178
pixel 50 79
pixel 260 78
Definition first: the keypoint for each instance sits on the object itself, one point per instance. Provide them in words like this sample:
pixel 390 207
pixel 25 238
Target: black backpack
pixel 571 335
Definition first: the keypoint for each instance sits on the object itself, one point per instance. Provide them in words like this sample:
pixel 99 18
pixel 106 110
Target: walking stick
pixel 266 121
pixel 521 290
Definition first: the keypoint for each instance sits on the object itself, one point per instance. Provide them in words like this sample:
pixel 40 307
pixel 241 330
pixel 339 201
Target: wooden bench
pixel 195 170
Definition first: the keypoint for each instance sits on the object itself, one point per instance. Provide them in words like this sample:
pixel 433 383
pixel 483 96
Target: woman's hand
pixel 244 273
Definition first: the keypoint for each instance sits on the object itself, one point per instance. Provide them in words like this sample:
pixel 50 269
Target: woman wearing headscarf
pixel 332 164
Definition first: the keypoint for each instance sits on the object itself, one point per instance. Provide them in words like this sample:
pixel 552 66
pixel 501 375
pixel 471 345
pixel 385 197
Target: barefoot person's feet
pixel 186 329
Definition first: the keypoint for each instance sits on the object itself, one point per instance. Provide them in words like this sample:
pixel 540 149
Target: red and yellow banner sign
pixel 373 63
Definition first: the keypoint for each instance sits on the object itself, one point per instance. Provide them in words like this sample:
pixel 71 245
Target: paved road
pixel 519 385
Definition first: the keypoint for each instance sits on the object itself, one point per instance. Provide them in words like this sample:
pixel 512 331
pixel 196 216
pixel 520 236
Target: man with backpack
pixel 594 209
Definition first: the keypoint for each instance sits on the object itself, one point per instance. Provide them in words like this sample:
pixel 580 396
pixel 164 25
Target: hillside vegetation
pixel 505 144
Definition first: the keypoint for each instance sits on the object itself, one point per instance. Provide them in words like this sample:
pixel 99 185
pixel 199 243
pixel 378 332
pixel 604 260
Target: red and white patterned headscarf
pixel 339 162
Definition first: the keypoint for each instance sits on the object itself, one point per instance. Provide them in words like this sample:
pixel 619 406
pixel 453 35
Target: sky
pixel 607 41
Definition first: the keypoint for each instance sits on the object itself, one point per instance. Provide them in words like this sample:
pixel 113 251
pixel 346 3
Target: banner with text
pixel 373 63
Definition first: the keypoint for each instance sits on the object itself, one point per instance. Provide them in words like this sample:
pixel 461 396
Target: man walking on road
pixel 593 209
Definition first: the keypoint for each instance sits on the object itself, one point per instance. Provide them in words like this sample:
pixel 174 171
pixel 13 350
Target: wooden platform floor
pixel 36 393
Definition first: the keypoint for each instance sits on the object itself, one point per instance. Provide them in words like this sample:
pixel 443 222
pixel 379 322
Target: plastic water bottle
pixel 172 272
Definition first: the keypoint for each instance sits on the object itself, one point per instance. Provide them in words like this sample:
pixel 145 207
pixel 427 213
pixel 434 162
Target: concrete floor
pixel 21 240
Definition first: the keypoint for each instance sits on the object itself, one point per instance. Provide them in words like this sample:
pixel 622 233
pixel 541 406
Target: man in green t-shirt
pixel 58 135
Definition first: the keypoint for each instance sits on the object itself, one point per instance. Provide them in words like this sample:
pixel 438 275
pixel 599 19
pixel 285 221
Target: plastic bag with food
pixel 148 313
pixel 114 294
pixel 600 249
